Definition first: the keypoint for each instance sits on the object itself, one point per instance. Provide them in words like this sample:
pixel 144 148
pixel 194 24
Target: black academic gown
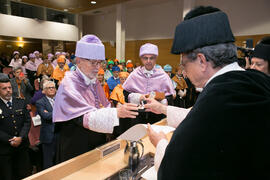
pixel 226 135
pixel 142 118
pixel 73 139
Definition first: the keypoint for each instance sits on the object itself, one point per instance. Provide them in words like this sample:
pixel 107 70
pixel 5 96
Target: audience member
pixel 114 80
pixel 261 56
pixel 21 87
pixel 47 135
pixel 16 60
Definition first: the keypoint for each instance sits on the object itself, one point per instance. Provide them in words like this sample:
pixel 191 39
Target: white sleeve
pixel 102 120
pixel 11 63
pixel 160 151
pixel 134 98
pixel 176 115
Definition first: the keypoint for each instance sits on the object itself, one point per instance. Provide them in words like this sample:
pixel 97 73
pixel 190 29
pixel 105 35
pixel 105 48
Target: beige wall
pixel 247 17
pixel 25 27
pixel 158 21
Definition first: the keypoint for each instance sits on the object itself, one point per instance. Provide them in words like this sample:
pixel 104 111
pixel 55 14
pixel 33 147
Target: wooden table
pixel 92 165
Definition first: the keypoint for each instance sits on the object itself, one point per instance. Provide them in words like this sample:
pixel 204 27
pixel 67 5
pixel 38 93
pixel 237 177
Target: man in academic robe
pixel 38 56
pixel 226 133
pixel 114 80
pixel 103 83
pixel 81 111
pixel 117 95
pixel 60 70
pixel 146 80
pixel 181 88
pixel 46 67
pixel 31 68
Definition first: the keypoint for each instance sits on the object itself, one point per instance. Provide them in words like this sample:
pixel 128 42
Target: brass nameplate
pixel 109 149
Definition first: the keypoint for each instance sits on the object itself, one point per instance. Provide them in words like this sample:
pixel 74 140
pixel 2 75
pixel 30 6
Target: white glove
pixel 182 93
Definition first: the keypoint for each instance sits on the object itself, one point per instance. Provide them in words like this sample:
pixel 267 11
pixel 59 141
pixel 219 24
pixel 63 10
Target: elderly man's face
pixel 149 61
pixel 50 90
pixel 193 70
pixel 260 65
pixel 89 67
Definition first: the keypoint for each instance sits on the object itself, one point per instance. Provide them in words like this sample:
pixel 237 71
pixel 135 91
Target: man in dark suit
pixel 14 127
pixel 47 137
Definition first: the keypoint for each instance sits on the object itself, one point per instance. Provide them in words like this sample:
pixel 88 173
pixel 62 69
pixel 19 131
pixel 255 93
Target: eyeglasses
pixel 151 58
pixel 95 62
pixel 50 87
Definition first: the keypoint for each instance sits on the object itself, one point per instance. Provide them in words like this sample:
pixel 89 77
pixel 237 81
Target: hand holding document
pixel 138 131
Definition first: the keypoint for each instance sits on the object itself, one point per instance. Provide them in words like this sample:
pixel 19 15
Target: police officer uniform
pixel 14 121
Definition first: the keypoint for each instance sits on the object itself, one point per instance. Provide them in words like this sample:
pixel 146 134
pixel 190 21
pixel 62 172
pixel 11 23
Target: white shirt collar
pixel 49 98
pixel 148 73
pixel 231 67
pixel 5 101
pixel 87 80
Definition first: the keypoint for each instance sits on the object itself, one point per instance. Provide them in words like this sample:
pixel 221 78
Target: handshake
pixel 159 96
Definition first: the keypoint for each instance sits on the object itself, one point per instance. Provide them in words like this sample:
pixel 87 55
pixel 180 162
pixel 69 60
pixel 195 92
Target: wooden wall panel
pixel 133 48
pixel 10 44
pixel 164 46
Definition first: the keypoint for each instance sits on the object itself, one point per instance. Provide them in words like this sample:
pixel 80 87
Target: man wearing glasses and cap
pixel 81 111
pixel 226 133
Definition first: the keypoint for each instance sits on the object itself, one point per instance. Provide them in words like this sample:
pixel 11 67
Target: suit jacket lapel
pixel 48 104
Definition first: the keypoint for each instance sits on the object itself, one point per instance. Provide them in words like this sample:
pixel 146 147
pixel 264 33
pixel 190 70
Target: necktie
pixel 9 104
pixel 52 102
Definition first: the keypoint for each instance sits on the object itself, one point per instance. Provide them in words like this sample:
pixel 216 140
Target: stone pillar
pixel 120 31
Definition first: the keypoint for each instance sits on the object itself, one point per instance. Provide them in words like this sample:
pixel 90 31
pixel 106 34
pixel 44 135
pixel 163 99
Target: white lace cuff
pixel 175 115
pixel 134 98
pixel 160 151
pixel 102 120
pixel 164 101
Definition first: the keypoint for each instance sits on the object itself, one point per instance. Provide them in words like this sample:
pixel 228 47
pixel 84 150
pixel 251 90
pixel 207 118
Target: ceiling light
pixel 93 2
pixel 65 10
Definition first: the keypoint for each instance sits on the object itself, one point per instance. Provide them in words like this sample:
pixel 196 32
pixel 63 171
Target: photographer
pixel 261 56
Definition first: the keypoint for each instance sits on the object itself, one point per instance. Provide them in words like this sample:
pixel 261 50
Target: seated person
pixel 21 87
pixel 114 80
pixel 117 95
pixel 45 68
pixel 100 78
pixel 60 70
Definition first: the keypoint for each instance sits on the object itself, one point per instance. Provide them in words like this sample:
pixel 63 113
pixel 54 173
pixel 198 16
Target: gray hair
pixel 219 54
pixel 47 83
pixel 15 68
pixel 4 78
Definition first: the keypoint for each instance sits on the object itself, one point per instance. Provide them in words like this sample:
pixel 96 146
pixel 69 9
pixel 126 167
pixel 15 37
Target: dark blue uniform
pixel 14 121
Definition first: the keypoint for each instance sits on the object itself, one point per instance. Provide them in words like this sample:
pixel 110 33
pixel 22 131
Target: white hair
pixel 47 83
